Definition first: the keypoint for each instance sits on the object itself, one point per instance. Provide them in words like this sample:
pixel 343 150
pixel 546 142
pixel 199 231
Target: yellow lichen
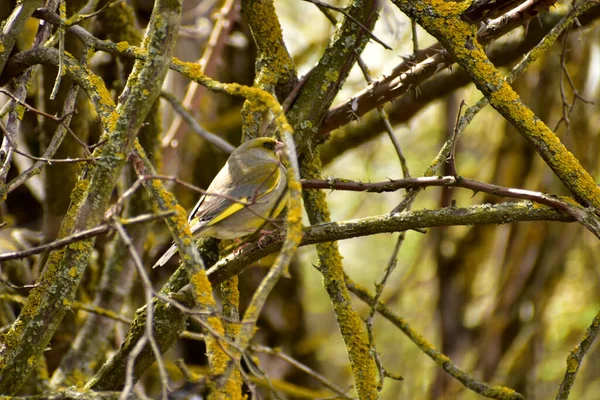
pixel 122 46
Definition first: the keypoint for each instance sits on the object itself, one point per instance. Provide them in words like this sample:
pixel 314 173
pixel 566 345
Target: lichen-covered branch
pixel 351 326
pixel 325 80
pixel 13 27
pixel 502 213
pixel 275 69
pixel 469 381
pixel 442 20
pixel 117 275
pixel 575 358
pixel 48 302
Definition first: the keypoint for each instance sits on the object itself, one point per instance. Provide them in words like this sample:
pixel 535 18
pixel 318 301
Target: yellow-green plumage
pixel 249 190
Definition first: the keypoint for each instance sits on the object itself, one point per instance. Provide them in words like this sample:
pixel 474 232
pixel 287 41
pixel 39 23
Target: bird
pixel 249 191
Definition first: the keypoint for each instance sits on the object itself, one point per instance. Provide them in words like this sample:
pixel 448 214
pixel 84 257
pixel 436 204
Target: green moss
pixel 441 19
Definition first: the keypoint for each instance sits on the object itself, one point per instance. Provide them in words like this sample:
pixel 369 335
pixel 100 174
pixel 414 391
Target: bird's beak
pixel 279 149
pixel 279 146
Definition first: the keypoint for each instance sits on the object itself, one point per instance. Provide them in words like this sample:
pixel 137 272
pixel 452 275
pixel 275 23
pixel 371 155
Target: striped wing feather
pixel 213 208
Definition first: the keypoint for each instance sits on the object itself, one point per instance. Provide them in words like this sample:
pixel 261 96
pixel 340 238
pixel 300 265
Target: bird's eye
pixel 269 145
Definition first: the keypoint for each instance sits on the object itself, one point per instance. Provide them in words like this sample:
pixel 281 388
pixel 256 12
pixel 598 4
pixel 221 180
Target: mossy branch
pixel 193 264
pixel 325 80
pixel 442 20
pixel 352 329
pixel 502 213
pixel 469 381
pixel 13 26
pixel 576 356
pixel 275 69
pixel 48 302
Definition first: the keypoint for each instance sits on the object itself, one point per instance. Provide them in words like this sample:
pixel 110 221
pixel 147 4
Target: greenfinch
pixel 248 191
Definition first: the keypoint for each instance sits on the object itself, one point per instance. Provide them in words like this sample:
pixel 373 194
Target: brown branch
pixel 415 70
pixel 79 236
pixel 404 108
pixel 501 213
pixel 348 15
pixel 411 183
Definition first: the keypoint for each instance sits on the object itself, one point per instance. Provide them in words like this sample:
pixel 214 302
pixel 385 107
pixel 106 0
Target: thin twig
pixel 148 294
pixel 61 48
pixel 567 107
pixel 451 160
pixel 258 372
pixel 135 352
pixel 45 160
pixel 12 285
pixel 187 116
pixel 79 18
pixel 415 40
pixel 411 183
pixel 31 108
pixel 347 15
pixel 292 361
pixel 391 265
pixel 82 235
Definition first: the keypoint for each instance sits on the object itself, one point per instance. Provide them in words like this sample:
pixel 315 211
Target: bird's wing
pixel 227 198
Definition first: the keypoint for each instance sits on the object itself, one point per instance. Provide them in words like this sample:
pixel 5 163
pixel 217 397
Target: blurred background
pixel 506 303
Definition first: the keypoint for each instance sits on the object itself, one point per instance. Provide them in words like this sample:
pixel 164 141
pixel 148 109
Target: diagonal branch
pixel 48 303
pixel 460 40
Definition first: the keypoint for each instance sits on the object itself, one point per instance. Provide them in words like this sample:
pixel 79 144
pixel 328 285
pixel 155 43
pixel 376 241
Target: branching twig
pixel 391 265
pixel 451 160
pixel 195 126
pixel 148 294
pixel 347 15
pixel 281 355
pixel 469 381
pixel 88 233
pixel 567 107
pixel 575 359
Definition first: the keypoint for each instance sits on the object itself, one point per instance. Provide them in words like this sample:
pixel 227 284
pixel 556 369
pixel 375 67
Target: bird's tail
pixel 166 257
